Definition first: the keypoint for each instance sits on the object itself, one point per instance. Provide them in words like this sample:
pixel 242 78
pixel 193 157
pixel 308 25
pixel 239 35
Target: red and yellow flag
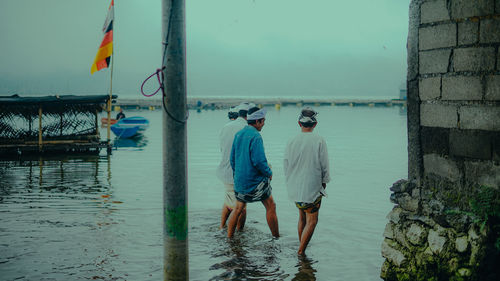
pixel 103 57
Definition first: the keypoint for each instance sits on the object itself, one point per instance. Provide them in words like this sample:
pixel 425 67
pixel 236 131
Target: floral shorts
pixel 310 207
pixel 260 193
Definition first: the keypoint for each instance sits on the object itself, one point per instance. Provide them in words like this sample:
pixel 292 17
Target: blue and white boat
pixel 130 127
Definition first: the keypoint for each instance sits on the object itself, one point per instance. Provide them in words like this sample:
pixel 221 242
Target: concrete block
pixel 480 117
pixel 471 8
pixel 438 36
pixel 433 11
pixel 468 32
pixel 492 87
pixel 435 140
pixel 474 59
pixel 462 88
pixel 471 144
pixel 430 88
pixel 435 61
pixel 438 115
pixel 489 31
pixel 482 173
pixel 443 167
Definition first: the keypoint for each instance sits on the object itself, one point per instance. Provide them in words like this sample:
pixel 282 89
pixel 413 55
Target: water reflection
pixel 68 174
pixel 251 253
pixel 305 270
pixel 59 215
pixel 138 141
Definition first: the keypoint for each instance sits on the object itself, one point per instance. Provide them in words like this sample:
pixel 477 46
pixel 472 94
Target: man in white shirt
pixel 224 171
pixel 306 167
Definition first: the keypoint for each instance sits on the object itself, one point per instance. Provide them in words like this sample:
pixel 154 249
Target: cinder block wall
pixel 454 90
pixel 458 90
pixel 453 84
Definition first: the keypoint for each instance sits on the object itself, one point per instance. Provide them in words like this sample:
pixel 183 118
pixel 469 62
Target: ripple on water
pixel 252 254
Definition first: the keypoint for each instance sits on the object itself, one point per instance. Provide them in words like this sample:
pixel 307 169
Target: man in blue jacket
pixel 252 174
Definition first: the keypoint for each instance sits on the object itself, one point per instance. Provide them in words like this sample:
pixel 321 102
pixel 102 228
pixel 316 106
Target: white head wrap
pixel 245 106
pixel 308 119
pixel 233 109
pixel 259 114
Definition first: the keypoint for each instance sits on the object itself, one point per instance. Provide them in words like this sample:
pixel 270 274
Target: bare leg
pixel 272 219
pixel 302 222
pixel 233 219
pixel 242 219
pixel 224 215
pixel 311 221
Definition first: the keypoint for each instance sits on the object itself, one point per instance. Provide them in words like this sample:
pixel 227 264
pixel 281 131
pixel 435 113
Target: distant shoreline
pixel 225 102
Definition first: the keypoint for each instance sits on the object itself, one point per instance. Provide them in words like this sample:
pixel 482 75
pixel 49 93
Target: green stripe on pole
pixel 176 222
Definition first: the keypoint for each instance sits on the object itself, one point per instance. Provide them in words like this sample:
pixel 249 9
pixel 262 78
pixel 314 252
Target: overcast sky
pixel 234 47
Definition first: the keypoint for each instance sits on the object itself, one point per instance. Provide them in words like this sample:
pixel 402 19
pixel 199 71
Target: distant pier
pixel 224 102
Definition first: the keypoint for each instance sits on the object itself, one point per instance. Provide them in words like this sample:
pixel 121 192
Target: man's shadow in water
pixel 305 270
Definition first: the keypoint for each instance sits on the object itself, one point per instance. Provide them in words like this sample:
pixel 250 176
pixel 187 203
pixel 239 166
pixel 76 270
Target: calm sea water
pixel 100 218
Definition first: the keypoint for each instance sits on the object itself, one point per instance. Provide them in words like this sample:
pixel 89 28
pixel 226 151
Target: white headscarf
pixel 259 114
pixel 233 109
pixel 245 106
pixel 308 119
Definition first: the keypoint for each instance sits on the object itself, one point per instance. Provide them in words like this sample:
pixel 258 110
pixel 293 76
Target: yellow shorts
pixel 310 207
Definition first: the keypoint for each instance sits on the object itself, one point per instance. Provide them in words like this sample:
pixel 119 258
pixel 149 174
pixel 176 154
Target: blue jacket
pixel 248 160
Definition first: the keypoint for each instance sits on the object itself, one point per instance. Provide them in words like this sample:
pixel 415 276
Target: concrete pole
pixel 175 210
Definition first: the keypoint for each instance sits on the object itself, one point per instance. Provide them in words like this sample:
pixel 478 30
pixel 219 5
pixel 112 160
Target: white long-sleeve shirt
pixel 306 167
pixel 226 137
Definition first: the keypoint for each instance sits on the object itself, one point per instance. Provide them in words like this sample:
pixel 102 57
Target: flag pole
pixel 102 60
pixel 111 82
pixel 110 97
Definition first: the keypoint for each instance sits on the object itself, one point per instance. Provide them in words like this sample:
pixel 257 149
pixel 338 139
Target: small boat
pixel 129 127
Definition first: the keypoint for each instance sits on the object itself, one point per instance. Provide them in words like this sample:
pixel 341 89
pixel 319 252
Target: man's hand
pixel 271 178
